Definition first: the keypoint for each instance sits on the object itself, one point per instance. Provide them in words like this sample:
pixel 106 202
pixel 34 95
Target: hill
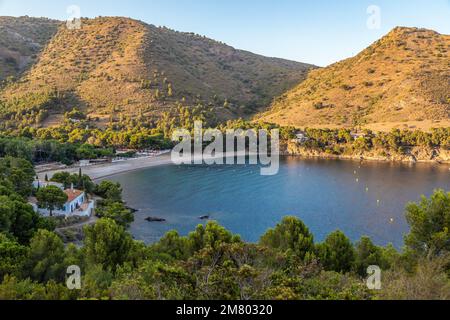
pixel 125 68
pixel 21 41
pixel 401 80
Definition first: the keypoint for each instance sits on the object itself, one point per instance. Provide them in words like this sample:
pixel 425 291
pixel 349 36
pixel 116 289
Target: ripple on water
pixel 325 194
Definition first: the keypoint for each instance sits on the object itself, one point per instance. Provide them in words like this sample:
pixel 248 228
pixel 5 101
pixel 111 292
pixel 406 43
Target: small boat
pixel 204 217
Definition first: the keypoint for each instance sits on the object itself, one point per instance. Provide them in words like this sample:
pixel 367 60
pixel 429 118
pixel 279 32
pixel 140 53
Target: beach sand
pixel 101 171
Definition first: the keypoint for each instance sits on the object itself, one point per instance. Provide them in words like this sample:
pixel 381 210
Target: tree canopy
pixel 51 198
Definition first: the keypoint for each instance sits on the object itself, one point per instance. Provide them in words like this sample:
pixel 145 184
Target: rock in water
pixel 155 219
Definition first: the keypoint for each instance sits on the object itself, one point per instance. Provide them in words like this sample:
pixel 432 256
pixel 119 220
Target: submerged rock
pixel 155 219
pixel 132 209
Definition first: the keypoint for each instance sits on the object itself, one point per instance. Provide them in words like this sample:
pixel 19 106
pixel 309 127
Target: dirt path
pixel 92 220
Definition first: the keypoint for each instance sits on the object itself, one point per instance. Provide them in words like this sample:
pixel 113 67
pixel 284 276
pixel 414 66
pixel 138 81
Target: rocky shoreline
pixel 413 155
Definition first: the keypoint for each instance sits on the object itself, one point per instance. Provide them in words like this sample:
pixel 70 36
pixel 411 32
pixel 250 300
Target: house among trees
pixel 77 203
pixel 357 135
pixel 37 184
pixel 301 137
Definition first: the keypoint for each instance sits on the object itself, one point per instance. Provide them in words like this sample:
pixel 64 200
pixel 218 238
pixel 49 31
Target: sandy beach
pixel 101 171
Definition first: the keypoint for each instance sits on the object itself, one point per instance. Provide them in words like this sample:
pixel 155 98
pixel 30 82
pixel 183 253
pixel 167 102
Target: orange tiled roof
pixel 72 194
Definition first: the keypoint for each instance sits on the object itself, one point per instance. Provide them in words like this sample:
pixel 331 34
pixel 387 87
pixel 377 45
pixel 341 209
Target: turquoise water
pixel 359 199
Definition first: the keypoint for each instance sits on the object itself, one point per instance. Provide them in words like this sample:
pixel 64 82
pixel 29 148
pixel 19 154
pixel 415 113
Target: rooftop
pixel 72 194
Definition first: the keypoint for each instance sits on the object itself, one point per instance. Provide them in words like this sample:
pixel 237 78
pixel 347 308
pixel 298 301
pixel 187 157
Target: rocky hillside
pixel 21 41
pixel 401 80
pixel 125 67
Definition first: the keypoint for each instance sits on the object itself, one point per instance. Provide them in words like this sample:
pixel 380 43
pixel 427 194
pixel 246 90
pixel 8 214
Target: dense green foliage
pixel 51 198
pixel 211 262
pixel 342 141
pixel 111 206
pixel 291 235
pixel 29 110
pixel 18 220
pixel 84 140
pixel 430 224
pixel 79 181
pixel 38 150
pixel 17 173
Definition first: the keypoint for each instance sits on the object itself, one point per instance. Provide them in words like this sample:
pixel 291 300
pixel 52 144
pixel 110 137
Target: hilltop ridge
pixel 401 79
pixel 127 68
pixel 21 41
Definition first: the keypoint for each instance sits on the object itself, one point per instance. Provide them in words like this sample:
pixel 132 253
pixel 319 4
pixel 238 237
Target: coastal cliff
pixel 413 154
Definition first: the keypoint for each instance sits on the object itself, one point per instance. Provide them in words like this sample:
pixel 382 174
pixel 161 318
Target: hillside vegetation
pixel 119 67
pixel 401 80
pixel 21 41
pixel 210 263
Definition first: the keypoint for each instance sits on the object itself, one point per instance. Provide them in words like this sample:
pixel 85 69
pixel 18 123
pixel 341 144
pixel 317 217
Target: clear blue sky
pixel 316 31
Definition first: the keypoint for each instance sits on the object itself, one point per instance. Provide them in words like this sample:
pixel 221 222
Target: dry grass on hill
pixel 21 41
pixel 124 67
pixel 402 80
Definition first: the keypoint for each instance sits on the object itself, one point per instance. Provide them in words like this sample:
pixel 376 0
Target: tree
pixel 51 198
pixel 115 211
pixel 337 253
pixel 173 245
pixel 19 172
pixel 85 183
pixel 367 254
pixel 12 257
pixel 290 235
pixel 46 256
pixel 107 244
pixel 62 177
pixel 212 235
pixel 430 224
pixel 6 214
pixel 19 220
pixel 81 181
pixel 429 281
pixel 86 151
pixel 75 114
pixel 14 289
pixel 109 190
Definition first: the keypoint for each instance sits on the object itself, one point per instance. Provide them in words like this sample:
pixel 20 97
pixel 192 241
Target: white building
pixel 85 163
pixel 77 203
pixel 37 184
pixel 357 135
pixel 301 137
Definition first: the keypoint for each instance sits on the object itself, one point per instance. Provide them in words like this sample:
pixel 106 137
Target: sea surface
pixel 360 199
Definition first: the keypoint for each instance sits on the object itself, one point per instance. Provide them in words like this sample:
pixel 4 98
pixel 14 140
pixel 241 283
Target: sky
pixel 320 32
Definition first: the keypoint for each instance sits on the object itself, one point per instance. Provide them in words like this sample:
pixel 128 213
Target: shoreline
pixel 102 171
pixel 105 170
pixel 366 159
pixel 414 155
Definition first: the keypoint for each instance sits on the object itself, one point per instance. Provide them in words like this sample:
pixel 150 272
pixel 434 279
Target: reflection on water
pixel 359 199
